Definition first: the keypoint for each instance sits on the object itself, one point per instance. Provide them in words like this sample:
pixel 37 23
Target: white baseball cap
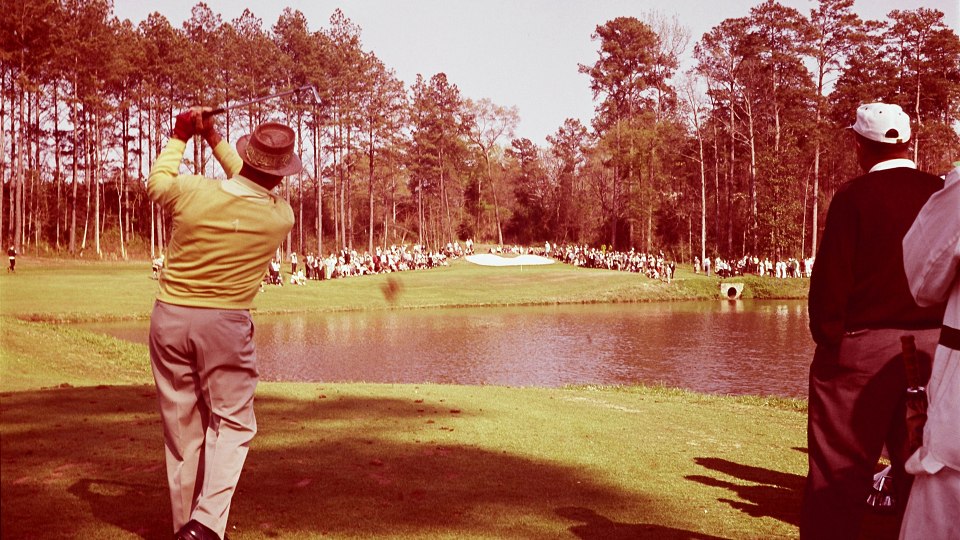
pixel 883 122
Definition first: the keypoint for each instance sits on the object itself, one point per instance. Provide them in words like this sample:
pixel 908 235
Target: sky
pixel 521 53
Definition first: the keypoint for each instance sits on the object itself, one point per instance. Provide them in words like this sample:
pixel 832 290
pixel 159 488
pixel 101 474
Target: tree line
pixel 740 154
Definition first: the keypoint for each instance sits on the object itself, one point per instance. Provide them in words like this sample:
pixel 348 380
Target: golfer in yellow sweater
pixel 201 333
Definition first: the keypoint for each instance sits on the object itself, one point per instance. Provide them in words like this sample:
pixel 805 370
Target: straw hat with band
pixel 269 149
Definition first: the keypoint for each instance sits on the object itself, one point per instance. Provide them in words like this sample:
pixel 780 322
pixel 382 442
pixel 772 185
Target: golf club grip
pixel 911 362
pixel 218 110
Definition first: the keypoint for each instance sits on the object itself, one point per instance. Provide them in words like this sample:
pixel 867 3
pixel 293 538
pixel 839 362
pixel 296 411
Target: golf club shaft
pixel 308 87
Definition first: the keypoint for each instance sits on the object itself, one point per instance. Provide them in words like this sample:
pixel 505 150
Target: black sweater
pixel 858 280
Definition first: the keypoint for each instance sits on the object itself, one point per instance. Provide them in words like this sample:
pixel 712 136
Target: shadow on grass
pixel 597 527
pixel 778 495
pixel 89 461
pixel 768 493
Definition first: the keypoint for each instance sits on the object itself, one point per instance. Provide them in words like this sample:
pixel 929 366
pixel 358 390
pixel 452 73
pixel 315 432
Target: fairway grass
pixel 417 461
pixel 81 445
pixel 69 291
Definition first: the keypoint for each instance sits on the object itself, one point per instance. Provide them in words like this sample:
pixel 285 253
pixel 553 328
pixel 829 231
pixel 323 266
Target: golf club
pixel 305 88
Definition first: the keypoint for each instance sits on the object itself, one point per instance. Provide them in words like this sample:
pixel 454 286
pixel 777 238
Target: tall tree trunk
pixel 300 185
pixel 754 215
pixel 317 173
pixel 348 193
pixel 420 213
pixel 121 188
pixel 803 227
pixel 3 145
pixel 90 181
pixel 716 185
pixel 334 204
pixel 36 183
pixel 916 112
pixel 76 176
pixel 370 193
pixel 496 214
pixel 58 176
pixel 95 173
pixel 19 176
pixel 649 202
pixel 815 215
pixel 342 201
pixel 730 178
pixel 776 121
pixel 486 162
pixel 157 148
pixel 340 217
pixel 153 214
pixel 141 104
pixel 703 197
pixel 30 171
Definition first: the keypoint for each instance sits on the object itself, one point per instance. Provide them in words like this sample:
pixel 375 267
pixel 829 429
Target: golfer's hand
pixel 185 126
pixel 207 125
pixel 192 121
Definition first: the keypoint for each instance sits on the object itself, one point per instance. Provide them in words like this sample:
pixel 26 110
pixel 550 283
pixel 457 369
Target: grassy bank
pixel 49 290
pixel 81 450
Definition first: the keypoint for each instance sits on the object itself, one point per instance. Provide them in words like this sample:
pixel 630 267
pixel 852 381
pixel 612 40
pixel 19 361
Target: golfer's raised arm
pixel 162 183
pixel 223 151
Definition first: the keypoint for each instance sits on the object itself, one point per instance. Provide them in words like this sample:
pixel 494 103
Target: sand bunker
pixel 489 259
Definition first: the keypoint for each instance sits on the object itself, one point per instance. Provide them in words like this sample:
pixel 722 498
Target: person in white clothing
pixel 931 259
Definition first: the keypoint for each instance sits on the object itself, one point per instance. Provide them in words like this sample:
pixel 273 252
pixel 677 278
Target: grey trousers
pixel 857 405
pixel 204 365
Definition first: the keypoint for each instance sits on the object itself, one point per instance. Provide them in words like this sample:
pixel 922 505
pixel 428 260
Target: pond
pixel 721 347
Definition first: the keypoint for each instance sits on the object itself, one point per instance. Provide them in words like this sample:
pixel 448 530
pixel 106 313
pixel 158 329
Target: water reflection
pixel 725 347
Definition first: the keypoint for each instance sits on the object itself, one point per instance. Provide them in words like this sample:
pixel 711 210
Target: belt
pixel 950 337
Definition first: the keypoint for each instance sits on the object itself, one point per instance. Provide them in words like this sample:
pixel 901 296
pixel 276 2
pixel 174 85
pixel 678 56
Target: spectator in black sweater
pixel 860 305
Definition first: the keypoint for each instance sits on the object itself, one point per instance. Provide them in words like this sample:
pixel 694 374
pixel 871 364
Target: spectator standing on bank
pixel 860 305
pixel 931 259
pixel 201 333
pixel 274 273
pixel 12 258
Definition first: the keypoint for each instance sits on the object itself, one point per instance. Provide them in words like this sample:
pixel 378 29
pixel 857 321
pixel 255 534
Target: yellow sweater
pixel 224 232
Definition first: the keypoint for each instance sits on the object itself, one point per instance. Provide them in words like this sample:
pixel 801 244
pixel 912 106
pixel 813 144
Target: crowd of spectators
pixel 657 266
pixel 400 258
pixel 350 263
pixel 653 265
pixel 751 264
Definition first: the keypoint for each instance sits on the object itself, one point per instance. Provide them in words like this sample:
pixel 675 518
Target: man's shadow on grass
pixel 778 495
pixel 98 452
pixel 597 527
pixel 768 493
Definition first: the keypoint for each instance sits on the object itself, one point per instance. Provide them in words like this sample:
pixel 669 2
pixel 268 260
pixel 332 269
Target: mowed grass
pixel 81 447
pixel 417 461
pixel 64 291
